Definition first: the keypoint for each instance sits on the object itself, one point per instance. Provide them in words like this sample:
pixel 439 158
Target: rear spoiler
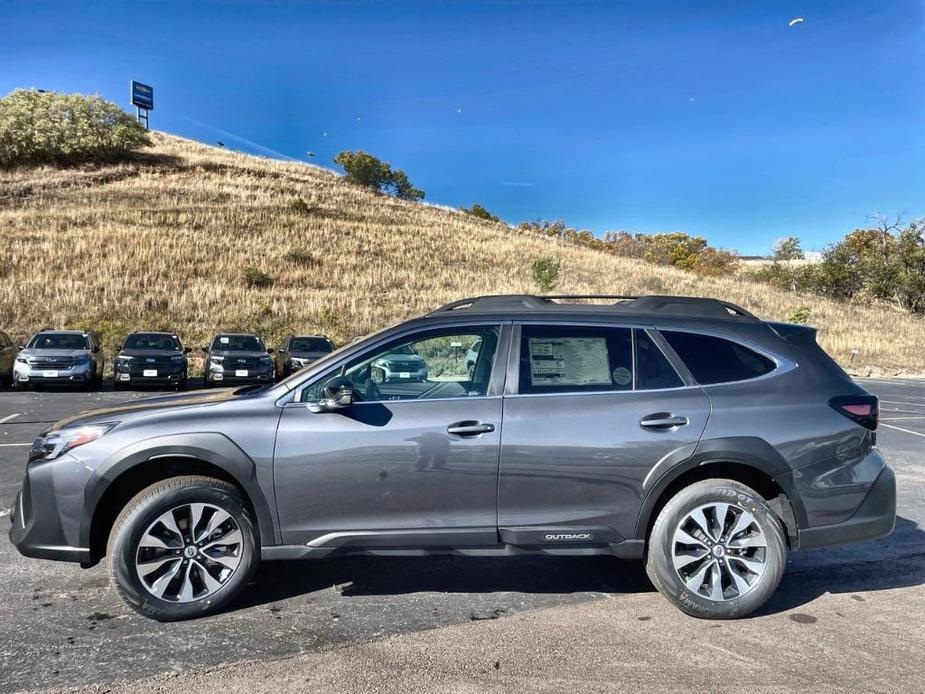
pixel 794 333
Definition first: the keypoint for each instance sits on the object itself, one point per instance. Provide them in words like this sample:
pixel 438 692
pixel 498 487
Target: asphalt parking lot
pixel 844 618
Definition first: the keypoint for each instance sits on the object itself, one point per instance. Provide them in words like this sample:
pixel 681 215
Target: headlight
pixel 60 442
pixel 266 361
pixel 22 360
pixel 123 361
pixel 84 359
pixel 216 360
pixel 178 358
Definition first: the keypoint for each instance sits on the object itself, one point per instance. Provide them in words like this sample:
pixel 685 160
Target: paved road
pixel 844 618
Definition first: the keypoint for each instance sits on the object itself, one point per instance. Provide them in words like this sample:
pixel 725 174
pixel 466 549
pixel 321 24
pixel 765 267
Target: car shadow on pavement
pixel 356 576
pixel 894 562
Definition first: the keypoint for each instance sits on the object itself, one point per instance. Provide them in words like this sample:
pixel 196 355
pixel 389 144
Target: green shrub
pixel 787 248
pixel 256 278
pixel 545 271
pixel 301 256
pixel 478 211
pixel 363 169
pixel 713 262
pixel 800 314
pixel 51 128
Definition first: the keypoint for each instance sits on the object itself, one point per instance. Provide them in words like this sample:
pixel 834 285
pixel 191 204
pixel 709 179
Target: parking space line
pixel 9 417
pixel 896 419
pixel 908 431
pixel 6 445
pixel 907 404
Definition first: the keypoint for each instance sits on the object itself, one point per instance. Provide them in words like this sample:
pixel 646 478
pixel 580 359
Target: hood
pixel 119 412
pixel 73 353
pixel 397 356
pixel 150 353
pixel 238 353
pixel 299 354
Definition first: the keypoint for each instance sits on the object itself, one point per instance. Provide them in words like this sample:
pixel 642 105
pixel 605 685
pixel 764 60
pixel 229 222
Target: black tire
pixel 143 510
pixel 660 566
pixel 183 383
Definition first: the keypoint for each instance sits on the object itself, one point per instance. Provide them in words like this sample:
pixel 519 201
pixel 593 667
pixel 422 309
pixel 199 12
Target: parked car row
pixel 74 357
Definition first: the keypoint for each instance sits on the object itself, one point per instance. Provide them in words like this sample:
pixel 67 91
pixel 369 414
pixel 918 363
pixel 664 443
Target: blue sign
pixel 142 96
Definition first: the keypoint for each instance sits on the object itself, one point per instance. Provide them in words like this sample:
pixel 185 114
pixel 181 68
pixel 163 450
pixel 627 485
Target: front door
pixel 414 462
pixel 591 411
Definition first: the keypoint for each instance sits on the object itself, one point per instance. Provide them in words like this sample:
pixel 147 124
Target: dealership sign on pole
pixel 142 100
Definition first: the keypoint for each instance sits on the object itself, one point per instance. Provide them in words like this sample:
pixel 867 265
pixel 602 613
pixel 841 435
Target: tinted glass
pixel 59 341
pixel 238 343
pixel 431 364
pixel 310 344
pixel 555 359
pixel 715 360
pixel 653 370
pixel 152 341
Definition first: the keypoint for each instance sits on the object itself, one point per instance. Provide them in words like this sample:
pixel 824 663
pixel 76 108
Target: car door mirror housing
pixel 270 350
pixel 337 394
pixel 205 349
pixel 187 350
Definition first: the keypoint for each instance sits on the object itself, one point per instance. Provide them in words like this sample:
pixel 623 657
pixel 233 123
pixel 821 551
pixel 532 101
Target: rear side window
pixel 653 370
pixel 715 360
pixel 558 358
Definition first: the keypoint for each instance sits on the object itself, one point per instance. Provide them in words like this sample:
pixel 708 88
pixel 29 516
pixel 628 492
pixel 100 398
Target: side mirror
pixel 96 348
pixel 187 350
pixel 270 350
pixel 22 346
pixel 205 349
pixel 337 394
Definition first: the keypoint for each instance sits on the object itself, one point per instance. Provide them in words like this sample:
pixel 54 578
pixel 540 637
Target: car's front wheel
pixel 183 548
pixel 716 550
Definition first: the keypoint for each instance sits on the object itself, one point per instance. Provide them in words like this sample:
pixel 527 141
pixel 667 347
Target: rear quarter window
pixel 712 359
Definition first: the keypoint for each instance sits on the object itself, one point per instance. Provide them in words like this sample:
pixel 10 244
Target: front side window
pixel 59 341
pixel 713 359
pixel 428 365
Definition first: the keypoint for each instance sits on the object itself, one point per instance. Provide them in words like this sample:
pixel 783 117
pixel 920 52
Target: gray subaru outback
pixel 684 432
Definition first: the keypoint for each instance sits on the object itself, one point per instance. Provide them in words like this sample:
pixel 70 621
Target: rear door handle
pixel 469 428
pixel 662 421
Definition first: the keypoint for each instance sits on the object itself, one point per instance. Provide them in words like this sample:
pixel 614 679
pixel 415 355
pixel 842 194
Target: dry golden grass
pixel 162 242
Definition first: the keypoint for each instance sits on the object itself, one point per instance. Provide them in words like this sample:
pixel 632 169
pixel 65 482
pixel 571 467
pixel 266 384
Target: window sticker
pixel 569 361
pixel 622 376
pixel 223 340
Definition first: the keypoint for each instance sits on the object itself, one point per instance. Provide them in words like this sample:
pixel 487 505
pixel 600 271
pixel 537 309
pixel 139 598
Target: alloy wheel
pixel 719 551
pixel 189 553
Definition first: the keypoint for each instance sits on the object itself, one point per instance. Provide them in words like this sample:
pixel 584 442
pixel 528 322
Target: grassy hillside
pixel 163 242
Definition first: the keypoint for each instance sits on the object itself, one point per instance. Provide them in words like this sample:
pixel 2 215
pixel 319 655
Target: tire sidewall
pixel 660 550
pixel 125 544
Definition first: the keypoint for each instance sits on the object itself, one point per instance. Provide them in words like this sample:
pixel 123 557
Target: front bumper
pixel 46 516
pixel 875 517
pixel 25 374
pixel 218 375
pixel 164 375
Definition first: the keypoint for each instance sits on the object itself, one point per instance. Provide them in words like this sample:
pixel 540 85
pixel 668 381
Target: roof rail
pixel 704 307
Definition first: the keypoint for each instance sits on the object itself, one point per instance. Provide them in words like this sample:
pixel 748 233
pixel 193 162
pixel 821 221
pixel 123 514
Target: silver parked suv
pixel 66 357
pixel 684 432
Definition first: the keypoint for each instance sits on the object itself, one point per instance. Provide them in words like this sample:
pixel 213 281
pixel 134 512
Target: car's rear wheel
pixel 183 548
pixel 716 550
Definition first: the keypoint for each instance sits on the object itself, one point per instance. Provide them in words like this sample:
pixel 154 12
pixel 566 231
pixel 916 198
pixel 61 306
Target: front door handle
pixel 469 428
pixel 662 420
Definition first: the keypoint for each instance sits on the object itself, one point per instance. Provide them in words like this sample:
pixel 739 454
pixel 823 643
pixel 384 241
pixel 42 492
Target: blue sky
pixel 713 118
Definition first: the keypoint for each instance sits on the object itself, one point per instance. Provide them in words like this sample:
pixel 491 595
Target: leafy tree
pixel 787 248
pixel 545 271
pixel 478 211
pixel 364 169
pixel 51 128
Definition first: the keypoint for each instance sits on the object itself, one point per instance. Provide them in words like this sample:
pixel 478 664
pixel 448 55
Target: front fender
pixel 210 447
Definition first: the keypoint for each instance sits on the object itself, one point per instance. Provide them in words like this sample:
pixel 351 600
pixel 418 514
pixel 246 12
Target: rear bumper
pixel 875 517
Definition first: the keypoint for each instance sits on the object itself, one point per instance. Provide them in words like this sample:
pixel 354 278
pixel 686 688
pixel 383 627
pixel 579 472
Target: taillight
pixel 863 409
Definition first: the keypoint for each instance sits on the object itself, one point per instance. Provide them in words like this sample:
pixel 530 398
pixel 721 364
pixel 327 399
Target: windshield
pixel 152 341
pixel 238 343
pixel 59 341
pixel 310 344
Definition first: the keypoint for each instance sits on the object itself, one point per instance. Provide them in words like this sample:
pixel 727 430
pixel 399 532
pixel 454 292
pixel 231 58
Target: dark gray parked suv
pixel 685 432
pixel 235 358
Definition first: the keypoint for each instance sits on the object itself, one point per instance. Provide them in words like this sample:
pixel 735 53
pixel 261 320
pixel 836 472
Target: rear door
pixel 589 411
